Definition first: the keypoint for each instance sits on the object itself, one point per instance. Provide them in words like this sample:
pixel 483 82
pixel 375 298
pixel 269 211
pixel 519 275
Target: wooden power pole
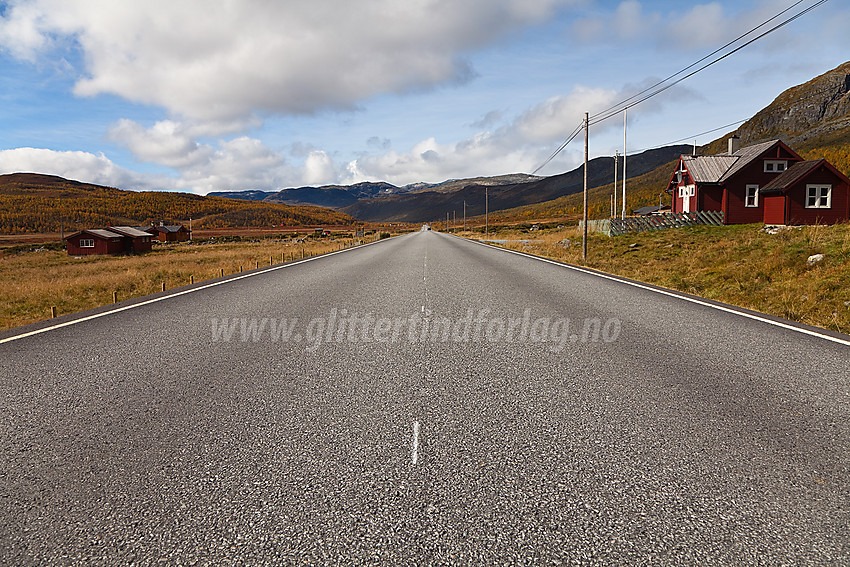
pixel 584 235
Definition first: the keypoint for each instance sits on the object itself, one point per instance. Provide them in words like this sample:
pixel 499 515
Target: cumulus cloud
pixel 520 145
pixel 80 166
pixel 227 64
pixel 166 143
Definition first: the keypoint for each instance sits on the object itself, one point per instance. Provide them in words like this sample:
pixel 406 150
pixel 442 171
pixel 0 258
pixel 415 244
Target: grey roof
pixel 791 176
pixel 169 227
pixel 719 168
pixel 746 156
pixel 649 210
pixel 708 169
pixel 129 231
pixel 102 233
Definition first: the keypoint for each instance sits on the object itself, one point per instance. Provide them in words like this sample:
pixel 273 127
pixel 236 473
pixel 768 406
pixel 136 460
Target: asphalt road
pixel 651 430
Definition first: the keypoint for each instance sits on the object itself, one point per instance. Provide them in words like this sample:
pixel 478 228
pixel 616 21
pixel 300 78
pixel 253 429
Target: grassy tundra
pixel 737 264
pixel 31 282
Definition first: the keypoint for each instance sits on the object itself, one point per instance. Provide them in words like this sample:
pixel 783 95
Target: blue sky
pixel 171 95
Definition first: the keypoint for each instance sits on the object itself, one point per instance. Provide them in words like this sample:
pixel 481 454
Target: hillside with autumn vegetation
pixel 32 202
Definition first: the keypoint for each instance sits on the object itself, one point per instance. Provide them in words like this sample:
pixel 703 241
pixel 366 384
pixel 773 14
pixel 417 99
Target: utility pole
pixel 464 215
pixel 625 153
pixel 584 236
pixel 447 221
pixel 616 159
pixel 486 214
pixel 454 218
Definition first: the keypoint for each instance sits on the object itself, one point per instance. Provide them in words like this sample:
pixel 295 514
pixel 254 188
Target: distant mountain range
pixel 383 202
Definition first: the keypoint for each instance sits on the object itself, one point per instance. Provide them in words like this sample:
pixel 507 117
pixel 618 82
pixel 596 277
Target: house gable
pixel 789 199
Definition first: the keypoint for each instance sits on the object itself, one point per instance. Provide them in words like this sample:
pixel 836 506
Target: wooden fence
pixel 616 227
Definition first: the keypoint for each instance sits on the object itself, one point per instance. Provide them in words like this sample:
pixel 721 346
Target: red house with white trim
pixel 809 192
pixel 112 240
pixel 94 241
pixel 730 182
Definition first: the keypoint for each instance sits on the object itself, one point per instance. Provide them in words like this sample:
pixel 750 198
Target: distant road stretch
pixel 424 400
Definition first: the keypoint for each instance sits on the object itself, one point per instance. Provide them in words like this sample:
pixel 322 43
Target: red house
pixel 94 241
pixel 809 192
pixel 169 233
pixel 112 240
pixel 730 182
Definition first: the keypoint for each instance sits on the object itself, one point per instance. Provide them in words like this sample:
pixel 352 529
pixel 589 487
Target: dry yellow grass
pixel 736 264
pixel 33 282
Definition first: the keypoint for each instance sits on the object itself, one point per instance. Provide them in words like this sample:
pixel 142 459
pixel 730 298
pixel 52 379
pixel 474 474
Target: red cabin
pixel 112 240
pixel 94 241
pixel 169 233
pixel 730 182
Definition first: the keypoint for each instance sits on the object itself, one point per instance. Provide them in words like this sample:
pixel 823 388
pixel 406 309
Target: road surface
pixel 424 400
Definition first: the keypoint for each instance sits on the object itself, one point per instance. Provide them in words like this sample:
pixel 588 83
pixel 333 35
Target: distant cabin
pixel 169 233
pixel 111 240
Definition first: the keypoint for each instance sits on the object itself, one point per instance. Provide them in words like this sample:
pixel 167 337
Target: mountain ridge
pixel 36 202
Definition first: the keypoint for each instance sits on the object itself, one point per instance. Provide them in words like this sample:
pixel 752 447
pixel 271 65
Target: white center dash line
pixel 414 453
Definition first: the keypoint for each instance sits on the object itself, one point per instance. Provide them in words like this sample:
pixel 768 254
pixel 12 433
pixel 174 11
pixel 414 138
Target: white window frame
pixel 775 165
pixel 87 243
pixel 755 196
pixel 817 198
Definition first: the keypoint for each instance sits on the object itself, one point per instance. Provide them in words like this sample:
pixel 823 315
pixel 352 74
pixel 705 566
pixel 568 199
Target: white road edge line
pixel 414 452
pixel 669 294
pixel 177 294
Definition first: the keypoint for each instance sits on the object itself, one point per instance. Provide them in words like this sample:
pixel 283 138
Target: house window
pixel 752 197
pixel 775 165
pixel 818 196
pixel 687 190
pixel 87 243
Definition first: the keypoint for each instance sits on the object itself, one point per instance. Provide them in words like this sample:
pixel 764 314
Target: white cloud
pixel 242 58
pixel 319 168
pixel 166 143
pixel 79 166
pixel 519 146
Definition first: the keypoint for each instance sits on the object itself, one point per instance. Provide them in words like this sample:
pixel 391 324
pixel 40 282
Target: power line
pixel 691 137
pixel 627 103
pixel 560 148
pixel 695 63
pixel 721 58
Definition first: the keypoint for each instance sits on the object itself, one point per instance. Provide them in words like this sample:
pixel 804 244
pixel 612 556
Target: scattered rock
pixel 670 246
pixel 814 259
pixel 634 245
pixel 566 243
